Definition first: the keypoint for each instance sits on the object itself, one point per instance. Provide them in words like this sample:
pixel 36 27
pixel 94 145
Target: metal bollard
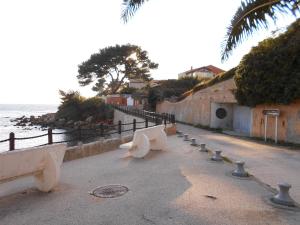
pixel 180 134
pixel 240 171
pixel 186 137
pixel 194 143
pixel 203 148
pixel 217 156
pixel 283 197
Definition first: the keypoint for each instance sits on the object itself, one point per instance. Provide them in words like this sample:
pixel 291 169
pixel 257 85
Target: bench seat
pixel 41 162
pixel 144 140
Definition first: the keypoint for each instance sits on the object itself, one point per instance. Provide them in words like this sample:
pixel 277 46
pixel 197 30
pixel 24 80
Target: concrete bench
pixel 144 140
pixel 41 162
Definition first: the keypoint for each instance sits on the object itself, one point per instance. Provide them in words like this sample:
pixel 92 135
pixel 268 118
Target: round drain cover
pixel 110 191
pixel 221 113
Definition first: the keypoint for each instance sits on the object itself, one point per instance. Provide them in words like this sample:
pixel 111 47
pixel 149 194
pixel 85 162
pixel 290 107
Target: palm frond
pixel 251 16
pixel 130 7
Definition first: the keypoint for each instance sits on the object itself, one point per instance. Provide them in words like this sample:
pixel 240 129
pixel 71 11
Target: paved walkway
pixel 269 163
pixel 179 186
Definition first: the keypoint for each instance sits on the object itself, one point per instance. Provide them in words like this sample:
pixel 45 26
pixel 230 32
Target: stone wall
pixel 95 148
pixel 105 145
pixel 288 122
pixel 128 119
pixel 196 109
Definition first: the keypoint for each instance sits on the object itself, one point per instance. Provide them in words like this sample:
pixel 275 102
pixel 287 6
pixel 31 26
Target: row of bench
pixel 44 163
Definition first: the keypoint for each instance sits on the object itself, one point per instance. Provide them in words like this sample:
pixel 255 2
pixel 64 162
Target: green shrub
pixel 207 83
pixel 75 107
pixel 270 73
pixel 170 88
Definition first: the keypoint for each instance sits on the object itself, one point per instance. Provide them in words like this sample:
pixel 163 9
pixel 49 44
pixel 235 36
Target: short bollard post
pixel 283 197
pixel 194 143
pixel 186 137
pixel 203 148
pixel 240 171
pixel 217 156
pixel 180 134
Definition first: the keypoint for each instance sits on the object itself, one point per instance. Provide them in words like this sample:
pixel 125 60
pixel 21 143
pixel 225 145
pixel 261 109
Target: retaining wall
pixel 126 118
pixel 106 145
pixel 95 148
pixel 196 109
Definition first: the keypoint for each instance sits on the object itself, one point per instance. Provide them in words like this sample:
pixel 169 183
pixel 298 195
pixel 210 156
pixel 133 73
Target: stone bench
pixel 144 140
pixel 41 162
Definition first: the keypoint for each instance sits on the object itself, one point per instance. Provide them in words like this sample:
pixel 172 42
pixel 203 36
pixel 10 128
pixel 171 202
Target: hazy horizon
pixel 42 43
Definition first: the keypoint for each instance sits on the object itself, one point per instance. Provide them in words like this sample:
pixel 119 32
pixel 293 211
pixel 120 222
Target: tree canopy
pixel 270 73
pixel 253 15
pixel 75 107
pixel 112 67
pixel 170 88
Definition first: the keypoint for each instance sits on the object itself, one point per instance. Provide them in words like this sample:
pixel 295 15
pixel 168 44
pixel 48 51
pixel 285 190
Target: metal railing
pixel 154 117
pixel 103 130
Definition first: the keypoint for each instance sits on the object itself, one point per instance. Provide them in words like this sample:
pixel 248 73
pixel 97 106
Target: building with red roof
pixel 209 71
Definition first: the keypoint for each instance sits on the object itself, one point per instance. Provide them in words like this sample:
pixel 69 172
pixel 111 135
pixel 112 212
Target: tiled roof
pixel 215 70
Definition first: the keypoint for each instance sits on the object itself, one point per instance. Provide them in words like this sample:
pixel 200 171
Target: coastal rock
pixel 79 124
pixel 89 119
pixel 60 123
pixel 70 123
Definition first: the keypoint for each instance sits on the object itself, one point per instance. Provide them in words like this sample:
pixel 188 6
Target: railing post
pixel 173 118
pixel 79 133
pixel 120 127
pixel 101 130
pixel 11 141
pixel 134 125
pixel 146 122
pixel 50 137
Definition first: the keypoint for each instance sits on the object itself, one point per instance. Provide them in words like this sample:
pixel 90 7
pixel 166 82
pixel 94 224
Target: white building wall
pixel 130 101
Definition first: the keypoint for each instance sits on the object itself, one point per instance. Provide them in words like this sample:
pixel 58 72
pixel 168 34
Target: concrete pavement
pixel 270 164
pixel 174 187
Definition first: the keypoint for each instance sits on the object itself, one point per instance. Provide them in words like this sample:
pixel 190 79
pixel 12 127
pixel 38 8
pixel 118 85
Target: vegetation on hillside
pixel 207 83
pixel 170 88
pixel 270 73
pixel 74 107
pixel 111 68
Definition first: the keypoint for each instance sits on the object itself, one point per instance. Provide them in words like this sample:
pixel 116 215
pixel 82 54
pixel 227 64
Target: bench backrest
pixel 25 161
pixel 150 132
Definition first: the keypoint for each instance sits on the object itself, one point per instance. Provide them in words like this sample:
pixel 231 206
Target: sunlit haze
pixel 42 42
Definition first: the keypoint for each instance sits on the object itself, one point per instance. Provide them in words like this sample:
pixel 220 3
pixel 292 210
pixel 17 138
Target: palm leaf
pixel 251 16
pixel 130 7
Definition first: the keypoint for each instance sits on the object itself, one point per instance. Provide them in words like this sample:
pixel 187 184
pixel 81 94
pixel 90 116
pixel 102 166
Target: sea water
pixel 9 112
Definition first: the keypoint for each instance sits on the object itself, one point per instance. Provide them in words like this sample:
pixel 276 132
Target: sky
pixel 42 42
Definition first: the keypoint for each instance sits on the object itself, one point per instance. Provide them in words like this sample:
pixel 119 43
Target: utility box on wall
pixel 221 115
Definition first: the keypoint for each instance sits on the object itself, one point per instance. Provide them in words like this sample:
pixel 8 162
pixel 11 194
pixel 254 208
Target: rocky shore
pixel 50 120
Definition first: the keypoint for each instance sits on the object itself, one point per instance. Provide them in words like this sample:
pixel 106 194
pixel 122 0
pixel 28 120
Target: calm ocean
pixel 11 111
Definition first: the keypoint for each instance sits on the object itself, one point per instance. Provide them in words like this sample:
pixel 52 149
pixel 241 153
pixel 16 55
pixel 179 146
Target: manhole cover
pixel 110 191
